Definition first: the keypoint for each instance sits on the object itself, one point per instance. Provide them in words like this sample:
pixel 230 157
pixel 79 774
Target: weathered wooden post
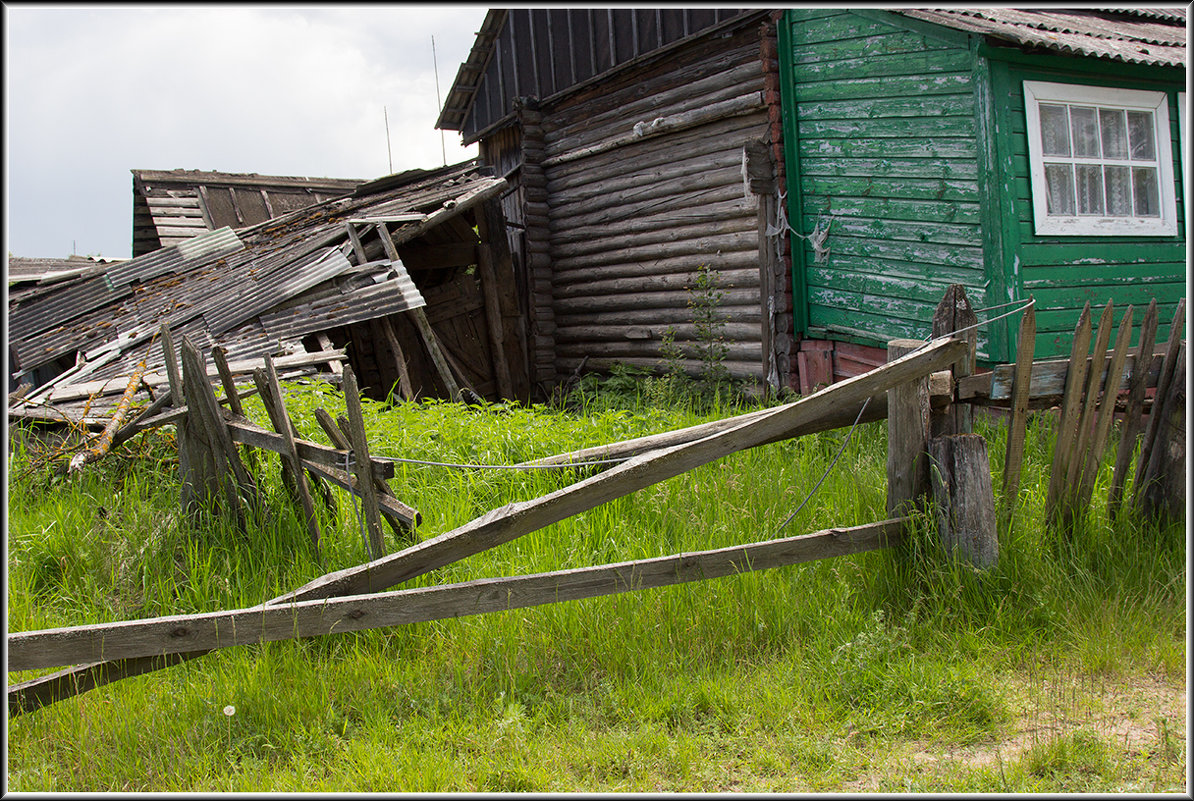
pixel 1161 494
pixel 965 499
pixel 955 314
pixel 957 464
pixel 907 436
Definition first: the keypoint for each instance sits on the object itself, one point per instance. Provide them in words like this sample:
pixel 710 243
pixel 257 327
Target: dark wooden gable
pixel 541 53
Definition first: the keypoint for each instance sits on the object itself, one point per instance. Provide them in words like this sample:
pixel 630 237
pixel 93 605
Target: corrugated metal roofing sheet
pixel 1118 36
pixel 269 288
pixel 395 292
pixel 175 259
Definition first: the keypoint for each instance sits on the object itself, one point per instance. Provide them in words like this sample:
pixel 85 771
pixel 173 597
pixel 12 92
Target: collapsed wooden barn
pixel 403 277
pixel 837 168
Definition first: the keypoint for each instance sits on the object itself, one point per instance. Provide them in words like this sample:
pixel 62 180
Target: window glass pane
pixel 1145 191
pixel 1118 182
pixel 1085 130
pixel 1140 133
pixel 1115 133
pixel 1055 131
pixel 1090 189
pixel 1059 183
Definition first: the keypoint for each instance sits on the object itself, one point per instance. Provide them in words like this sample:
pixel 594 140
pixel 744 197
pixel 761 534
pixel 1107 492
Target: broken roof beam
pixel 156 377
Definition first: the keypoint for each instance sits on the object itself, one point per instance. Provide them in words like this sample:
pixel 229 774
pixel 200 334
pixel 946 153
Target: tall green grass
pixel 793 678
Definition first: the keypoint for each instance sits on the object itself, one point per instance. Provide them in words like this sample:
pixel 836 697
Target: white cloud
pixel 94 92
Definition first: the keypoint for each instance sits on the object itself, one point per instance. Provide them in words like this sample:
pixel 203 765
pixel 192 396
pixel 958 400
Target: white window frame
pixel 1036 92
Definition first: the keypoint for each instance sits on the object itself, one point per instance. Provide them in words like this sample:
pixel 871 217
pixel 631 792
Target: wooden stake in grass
pixel 1085 433
pixel 1133 412
pixel 1067 427
pixel 1021 384
pixel 340 439
pixel 964 500
pixel 907 436
pixel 267 382
pixel 360 447
pixel 1163 382
pixel 1106 414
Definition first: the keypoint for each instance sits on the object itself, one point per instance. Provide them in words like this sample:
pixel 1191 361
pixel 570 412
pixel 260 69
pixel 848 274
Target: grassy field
pixel 1060 669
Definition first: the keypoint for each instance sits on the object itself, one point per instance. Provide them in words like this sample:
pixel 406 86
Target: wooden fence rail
pixel 177 634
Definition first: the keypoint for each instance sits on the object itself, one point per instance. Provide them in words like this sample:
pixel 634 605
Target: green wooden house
pixel 1017 152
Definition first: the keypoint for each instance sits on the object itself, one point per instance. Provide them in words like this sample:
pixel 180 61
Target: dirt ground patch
pixel 1136 718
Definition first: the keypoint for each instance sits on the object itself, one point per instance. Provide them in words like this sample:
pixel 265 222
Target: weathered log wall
pixel 644 183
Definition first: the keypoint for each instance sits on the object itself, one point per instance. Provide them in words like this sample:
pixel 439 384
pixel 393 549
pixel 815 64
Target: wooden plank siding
pixel 886 152
pixel 631 222
pixel 1065 272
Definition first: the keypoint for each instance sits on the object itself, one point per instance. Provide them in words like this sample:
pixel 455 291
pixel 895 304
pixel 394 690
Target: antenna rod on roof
pixel 388 153
pixel 438 104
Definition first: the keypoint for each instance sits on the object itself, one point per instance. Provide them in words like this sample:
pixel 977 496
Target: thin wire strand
pixel 825 475
pixel 467 466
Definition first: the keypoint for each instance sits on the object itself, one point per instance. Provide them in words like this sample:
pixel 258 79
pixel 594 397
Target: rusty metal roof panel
pixel 30 317
pixel 1113 35
pixel 394 293
pixel 19 269
pixel 271 287
pixel 178 258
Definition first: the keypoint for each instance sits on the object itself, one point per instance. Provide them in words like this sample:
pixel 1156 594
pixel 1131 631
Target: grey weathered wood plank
pixel 247 432
pixel 202 632
pixel 939 394
pixel 1014 453
pixel 1082 441
pixel 1134 411
pixel 1105 416
pixel 1067 427
pixel 402 516
pixel 1048 380
pixel 404 385
pixel 276 409
pixel 1161 494
pixel 421 322
pixel 400 524
pixel 360 448
pixel 965 502
pixel 1167 368
pixel 516 519
pixel 152 378
pixel 204 417
pixel 907 436
pixel 955 314
pixel 493 320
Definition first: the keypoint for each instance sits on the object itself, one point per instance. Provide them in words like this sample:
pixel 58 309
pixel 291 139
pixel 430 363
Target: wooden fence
pixel 924 391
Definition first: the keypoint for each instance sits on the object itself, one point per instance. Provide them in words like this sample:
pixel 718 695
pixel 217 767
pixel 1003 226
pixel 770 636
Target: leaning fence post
pixel 1133 414
pixel 363 469
pixel 907 435
pixel 1017 426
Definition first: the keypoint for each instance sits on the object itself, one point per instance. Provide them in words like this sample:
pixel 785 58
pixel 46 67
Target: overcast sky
pixel 92 92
